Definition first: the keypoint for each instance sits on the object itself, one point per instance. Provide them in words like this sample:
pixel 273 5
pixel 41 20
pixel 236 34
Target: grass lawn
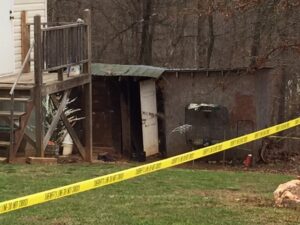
pixel 173 196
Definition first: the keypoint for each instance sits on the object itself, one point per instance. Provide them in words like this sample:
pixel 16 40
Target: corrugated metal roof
pixel 234 69
pixel 100 69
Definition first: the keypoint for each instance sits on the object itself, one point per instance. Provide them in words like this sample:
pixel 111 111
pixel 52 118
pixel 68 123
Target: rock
pixel 288 194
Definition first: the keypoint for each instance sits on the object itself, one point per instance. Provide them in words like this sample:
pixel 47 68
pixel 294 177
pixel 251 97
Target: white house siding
pixel 32 7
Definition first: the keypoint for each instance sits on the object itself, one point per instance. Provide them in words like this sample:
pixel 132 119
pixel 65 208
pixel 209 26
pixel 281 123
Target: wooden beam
pixel 56 118
pixel 39 131
pixel 125 118
pixel 60 76
pixel 70 129
pixel 30 140
pixel 88 126
pixel 87 20
pixel 23 123
pixel 87 89
pixel 25 40
pixel 43 161
pixel 69 83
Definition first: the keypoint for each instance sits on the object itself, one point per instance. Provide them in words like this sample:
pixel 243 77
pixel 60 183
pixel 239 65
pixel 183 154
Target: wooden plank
pixel 87 89
pixel 3 159
pixel 30 140
pixel 5 129
pixel 64 26
pixel 24 79
pixel 7 113
pixel 88 124
pixel 54 87
pixel 87 20
pixel 27 79
pixel 39 131
pixel 39 160
pixel 125 118
pixel 60 76
pixel 53 68
pixel 54 46
pixel 15 99
pixel 18 87
pixel 56 117
pixel 4 143
pixel 70 129
pixel 65 46
pixel 19 134
pixel 45 44
pixel 61 48
pixel 25 41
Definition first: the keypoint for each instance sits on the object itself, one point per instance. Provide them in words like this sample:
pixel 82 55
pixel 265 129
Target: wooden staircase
pixel 13 124
pixel 56 48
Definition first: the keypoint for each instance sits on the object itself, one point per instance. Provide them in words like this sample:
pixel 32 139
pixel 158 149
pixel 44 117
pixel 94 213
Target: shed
pixel 125 109
pixel 217 104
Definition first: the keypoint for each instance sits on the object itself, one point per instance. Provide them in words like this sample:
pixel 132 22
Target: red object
pixel 248 161
pixel 51 143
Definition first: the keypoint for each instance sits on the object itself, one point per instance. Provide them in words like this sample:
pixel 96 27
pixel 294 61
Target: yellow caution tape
pixel 86 185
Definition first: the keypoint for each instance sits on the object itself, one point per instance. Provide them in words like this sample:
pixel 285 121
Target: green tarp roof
pixel 100 69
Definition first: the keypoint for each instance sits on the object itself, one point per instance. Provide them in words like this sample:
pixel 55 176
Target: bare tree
pixel 147 34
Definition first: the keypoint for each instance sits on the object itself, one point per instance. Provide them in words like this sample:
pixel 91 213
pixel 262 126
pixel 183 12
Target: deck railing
pixel 64 46
pixel 56 47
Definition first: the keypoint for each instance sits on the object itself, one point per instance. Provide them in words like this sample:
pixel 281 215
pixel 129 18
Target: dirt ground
pixel 279 167
pixel 289 166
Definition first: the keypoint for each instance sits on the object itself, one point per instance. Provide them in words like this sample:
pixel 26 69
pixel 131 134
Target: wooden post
pixel 25 40
pixel 60 75
pixel 125 118
pixel 39 131
pixel 87 89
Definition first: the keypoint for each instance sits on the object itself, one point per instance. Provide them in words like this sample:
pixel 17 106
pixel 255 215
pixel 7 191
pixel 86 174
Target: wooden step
pixel 18 87
pixel 7 114
pixel 3 159
pixel 23 99
pixel 40 160
pixel 4 129
pixel 4 143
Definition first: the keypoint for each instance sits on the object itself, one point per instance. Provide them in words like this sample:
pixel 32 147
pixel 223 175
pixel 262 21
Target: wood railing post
pixel 39 131
pixel 87 89
pixel 25 40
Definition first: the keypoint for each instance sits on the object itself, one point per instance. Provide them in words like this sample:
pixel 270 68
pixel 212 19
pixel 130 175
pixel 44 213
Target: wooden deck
pixel 55 48
pixel 50 82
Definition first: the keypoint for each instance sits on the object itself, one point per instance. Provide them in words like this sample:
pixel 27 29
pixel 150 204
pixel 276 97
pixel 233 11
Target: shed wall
pixel 250 99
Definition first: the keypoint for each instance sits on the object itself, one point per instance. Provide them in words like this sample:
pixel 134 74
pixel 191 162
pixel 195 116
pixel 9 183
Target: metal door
pixel 149 116
pixel 7 61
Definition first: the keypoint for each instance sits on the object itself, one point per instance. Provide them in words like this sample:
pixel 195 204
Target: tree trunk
pixel 147 36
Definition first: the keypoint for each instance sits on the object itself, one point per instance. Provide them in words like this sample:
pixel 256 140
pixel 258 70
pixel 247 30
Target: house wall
pixel 32 7
pixel 250 98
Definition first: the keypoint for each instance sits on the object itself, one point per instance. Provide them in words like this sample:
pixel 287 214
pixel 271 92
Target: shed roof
pixel 100 69
pixel 110 70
